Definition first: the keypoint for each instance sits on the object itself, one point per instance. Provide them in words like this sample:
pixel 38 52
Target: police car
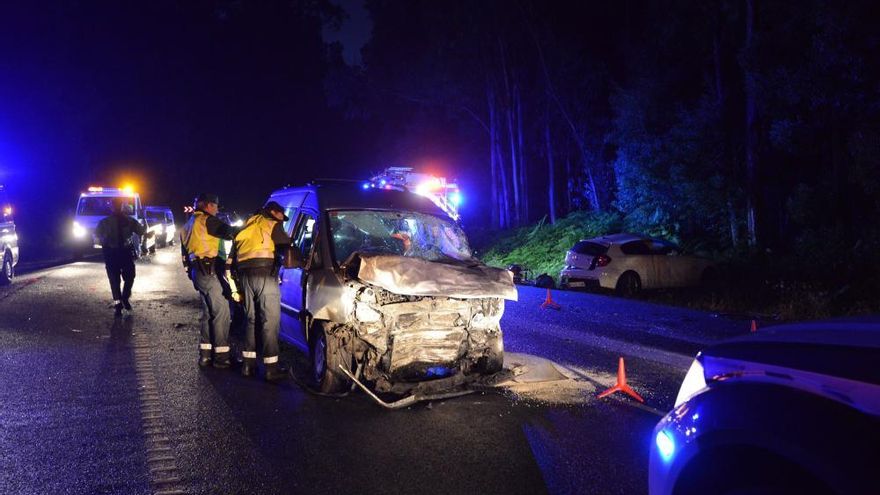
pixel 8 240
pixel 789 409
pixel 97 203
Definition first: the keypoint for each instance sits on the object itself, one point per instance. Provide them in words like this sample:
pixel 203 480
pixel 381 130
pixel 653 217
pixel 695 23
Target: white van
pixel 94 205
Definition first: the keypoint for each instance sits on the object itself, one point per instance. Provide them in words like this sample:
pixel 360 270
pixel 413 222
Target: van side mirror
pixel 292 257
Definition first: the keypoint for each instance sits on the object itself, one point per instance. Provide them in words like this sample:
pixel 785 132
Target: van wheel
pixel 7 273
pixel 326 355
pixel 629 284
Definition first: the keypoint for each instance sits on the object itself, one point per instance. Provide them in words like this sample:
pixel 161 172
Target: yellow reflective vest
pixel 195 238
pixel 255 239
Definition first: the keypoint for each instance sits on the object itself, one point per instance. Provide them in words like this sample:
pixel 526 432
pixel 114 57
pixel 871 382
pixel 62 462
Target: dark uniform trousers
pixel 214 320
pixel 261 298
pixel 119 265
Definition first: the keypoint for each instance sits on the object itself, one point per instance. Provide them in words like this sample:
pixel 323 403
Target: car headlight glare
pixel 665 444
pixel 693 383
pixel 78 230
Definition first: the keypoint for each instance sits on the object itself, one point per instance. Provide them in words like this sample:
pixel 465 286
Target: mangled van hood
pixel 419 277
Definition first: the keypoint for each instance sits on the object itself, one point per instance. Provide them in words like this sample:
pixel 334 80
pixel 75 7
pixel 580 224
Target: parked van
pixel 161 221
pixel 8 240
pixel 97 203
pixel 387 287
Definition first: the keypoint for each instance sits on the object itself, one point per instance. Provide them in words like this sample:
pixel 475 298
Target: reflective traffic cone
pixel 754 326
pixel 549 302
pixel 621 385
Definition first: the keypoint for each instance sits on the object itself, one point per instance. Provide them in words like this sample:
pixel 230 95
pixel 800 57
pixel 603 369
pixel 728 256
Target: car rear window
pixel 589 248
pixel 635 247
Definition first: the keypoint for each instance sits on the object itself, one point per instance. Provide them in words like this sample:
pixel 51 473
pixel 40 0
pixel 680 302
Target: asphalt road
pixel 90 403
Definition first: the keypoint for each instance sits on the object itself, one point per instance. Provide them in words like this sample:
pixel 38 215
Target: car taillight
pixel 602 260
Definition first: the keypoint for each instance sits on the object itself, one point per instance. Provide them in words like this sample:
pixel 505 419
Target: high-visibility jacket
pixel 195 237
pixel 255 239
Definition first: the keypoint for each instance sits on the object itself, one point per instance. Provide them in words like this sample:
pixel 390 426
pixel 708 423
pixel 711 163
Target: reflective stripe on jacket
pixel 255 239
pixel 195 238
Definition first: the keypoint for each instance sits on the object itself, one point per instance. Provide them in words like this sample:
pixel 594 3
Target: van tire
pixel 326 353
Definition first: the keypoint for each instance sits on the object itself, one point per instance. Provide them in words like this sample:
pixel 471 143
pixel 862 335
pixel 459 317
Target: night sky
pixel 177 97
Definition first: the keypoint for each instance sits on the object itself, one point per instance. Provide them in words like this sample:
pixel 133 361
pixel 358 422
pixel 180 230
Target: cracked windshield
pixel 392 232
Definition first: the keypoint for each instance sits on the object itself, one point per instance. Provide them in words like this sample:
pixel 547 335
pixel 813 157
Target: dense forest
pixel 740 128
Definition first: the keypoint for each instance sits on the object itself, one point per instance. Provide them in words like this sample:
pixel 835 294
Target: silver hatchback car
pixel 629 263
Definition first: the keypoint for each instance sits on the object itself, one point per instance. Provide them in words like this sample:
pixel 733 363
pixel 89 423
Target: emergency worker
pixel 116 233
pixel 200 241
pixel 256 260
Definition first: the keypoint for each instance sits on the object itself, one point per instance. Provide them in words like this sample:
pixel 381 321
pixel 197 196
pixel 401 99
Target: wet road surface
pixel 90 403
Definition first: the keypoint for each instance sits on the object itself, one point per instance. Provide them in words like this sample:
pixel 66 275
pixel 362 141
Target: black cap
pixel 208 198
pixel 274 206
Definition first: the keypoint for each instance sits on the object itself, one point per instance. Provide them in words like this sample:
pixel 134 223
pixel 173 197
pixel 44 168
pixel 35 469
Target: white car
pixel 629 263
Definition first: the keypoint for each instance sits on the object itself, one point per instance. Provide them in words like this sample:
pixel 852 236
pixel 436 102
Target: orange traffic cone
pixel 549 302
pixel 754 326
pixel 621 385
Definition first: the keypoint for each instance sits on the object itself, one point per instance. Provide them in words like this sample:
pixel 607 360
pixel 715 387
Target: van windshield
pixel 394 232
pixel 155 216
pixel 102 205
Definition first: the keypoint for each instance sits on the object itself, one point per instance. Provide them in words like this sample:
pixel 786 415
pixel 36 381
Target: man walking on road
pixel 255 262
pixel 115 233
pixel 199 244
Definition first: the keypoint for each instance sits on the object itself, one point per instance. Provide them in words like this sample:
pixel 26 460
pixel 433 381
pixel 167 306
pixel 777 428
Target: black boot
pixel 221 360
pixel 204 357
pixel 126 304
pixel 275 373
pixel 118 309
pixel 248 366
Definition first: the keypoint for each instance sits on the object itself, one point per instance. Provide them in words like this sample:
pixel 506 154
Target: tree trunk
pixel 578 139
pixel 751 91
pixel 511 137
pixel 493 163
pixel 523 173
pixel 551 189
pixel 569 183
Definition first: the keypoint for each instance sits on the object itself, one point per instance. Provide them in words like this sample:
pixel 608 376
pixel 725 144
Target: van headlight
pixel 78 230
pixel 694 382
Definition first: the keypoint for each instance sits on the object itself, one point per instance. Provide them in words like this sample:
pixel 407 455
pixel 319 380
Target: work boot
pixel 118 309
pixel 204 357
pixel 248 366
pixel 126 304
pixel 221 360
pixel 274 373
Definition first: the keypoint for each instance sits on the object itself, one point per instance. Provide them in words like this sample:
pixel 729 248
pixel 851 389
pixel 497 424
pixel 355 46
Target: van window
pixel 101 205
pixel 304 236
pixel 154 216
pixel 399 233
pixel 290 213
